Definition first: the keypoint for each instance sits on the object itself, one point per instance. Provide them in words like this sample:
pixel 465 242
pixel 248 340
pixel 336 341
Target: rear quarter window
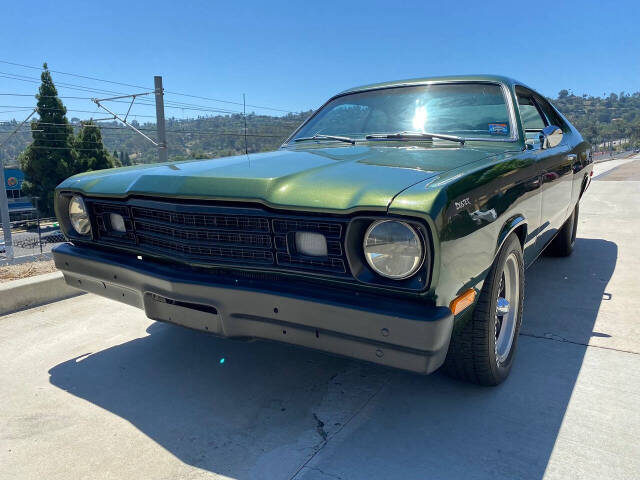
pixel 551 114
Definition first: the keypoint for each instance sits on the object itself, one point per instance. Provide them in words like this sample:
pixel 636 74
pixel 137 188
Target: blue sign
pixel 13 178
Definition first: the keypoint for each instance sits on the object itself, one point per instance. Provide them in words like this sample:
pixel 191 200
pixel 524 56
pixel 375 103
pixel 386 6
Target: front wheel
pixel 482 350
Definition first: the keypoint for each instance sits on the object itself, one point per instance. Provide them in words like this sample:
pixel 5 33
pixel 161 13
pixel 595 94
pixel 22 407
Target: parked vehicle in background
pixel 393 226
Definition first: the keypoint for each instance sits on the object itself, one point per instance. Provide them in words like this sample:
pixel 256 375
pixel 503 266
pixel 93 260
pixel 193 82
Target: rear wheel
pixel 482 350
pixel 563 243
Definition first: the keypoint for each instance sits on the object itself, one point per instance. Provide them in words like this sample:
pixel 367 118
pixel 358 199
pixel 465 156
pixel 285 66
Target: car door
pixel 554 166
pixel 572 162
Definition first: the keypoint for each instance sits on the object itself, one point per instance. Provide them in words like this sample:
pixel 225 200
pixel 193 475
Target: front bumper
pixel 409 335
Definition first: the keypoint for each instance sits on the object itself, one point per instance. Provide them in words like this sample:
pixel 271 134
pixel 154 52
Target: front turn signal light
pixel 462 301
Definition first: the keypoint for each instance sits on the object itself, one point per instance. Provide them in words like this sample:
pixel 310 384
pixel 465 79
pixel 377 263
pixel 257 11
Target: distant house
pixel 20 206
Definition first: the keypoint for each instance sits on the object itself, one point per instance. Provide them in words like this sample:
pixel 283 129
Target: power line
pixel 75 75
pixel 68 110
pixel 169 104
pixel 41 96
pixel 228 101
pixel 195 132
pixel 139 102
pixel 146 88
pixel 63 148
pixel 15 111
pixel 71 86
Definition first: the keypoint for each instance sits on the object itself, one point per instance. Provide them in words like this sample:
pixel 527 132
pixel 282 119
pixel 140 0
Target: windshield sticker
pixel 498 129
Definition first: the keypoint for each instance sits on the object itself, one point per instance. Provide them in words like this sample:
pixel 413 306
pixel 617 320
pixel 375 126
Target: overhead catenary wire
pixel 45 147
pixel 169 103
pixel 41 96
pixel 195 132
pixel 69 110
pixel 201 97
pixel 109 131
pixel 75 75
pixel 178 105
pixel 229 101
pixel 73 86
pixel 181 105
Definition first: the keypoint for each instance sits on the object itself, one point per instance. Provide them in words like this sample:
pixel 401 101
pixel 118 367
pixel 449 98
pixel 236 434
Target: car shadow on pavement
pixel 259 410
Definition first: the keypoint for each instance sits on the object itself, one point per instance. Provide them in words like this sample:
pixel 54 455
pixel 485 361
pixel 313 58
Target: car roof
pixel 426 80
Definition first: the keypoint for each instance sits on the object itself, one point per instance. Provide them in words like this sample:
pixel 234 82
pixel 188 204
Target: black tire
pixel 564 241
pixel 472 354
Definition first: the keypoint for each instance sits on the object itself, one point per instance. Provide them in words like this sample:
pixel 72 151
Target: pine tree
pixel 91 153
pixel 50 158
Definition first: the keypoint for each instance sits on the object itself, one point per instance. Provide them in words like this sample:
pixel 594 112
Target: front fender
pixel 473 212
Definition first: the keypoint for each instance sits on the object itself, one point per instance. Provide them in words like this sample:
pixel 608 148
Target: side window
pixel 533 120
pixel 551 114
pixel 529 113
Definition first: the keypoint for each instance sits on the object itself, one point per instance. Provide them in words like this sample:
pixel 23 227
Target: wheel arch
pixel 583 186
pixel 516 224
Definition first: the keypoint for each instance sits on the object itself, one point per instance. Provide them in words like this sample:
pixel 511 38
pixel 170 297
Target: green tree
pixel 91 153
pixel 49 158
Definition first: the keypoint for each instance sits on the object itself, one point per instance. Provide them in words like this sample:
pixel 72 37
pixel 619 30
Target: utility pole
pixel 4 214
pixel 162 135
pixel 4 201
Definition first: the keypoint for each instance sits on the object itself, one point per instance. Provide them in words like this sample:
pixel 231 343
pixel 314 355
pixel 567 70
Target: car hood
pixel 329 179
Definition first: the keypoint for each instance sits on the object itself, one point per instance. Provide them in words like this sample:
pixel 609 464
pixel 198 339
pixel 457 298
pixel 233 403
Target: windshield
pixel 468 110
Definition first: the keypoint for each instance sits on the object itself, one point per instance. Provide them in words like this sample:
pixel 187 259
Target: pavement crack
pixel 558 338
pixel 320 427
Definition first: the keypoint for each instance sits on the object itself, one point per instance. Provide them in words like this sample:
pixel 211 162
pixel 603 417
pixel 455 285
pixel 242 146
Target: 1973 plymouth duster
pixel 393 226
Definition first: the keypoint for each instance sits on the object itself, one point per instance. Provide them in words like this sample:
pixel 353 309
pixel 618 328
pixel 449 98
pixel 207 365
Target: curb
pixel 30 292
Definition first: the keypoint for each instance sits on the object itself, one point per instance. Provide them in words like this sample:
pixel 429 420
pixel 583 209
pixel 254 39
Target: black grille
pixel 328 229
pixel 207 252
pixel 226 222
pixel 220 235
pixel 216 236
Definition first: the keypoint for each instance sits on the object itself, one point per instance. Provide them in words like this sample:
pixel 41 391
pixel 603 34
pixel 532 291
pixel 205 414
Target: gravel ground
pixel 15 272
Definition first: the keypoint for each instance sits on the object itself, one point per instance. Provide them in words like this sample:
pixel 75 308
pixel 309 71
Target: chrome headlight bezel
pixel 79 216
pixel 419 257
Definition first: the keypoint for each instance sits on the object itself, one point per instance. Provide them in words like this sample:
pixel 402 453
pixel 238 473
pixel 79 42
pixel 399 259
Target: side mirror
pixel 550 137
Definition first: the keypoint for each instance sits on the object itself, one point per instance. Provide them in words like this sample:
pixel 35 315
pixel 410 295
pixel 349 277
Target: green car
pixel 393 226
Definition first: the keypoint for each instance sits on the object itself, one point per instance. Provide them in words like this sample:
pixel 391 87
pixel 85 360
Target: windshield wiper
pixel 414 135
pixel 326 137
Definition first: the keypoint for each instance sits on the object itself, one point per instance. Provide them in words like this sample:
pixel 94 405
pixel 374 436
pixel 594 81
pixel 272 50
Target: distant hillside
pixel 602 119
pixel 204 137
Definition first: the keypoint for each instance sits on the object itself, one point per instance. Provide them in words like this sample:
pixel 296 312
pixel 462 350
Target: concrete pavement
pixel 93 389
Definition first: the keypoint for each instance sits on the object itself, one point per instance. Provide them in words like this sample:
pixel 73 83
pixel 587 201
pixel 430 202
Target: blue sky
pixel 293 55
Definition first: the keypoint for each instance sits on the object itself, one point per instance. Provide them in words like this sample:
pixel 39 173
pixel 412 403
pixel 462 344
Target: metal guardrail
pixel 606 156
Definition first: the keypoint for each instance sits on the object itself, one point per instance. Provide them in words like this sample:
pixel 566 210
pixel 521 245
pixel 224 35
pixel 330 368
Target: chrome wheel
pixel 507 302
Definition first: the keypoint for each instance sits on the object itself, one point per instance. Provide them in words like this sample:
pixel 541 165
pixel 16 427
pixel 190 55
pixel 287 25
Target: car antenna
pixel 244 114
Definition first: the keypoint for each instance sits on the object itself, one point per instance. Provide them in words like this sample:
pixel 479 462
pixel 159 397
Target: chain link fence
pixel 32 239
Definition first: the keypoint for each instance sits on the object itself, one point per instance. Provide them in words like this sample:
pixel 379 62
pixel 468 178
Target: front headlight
pixel 393 249
pixel 78 216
